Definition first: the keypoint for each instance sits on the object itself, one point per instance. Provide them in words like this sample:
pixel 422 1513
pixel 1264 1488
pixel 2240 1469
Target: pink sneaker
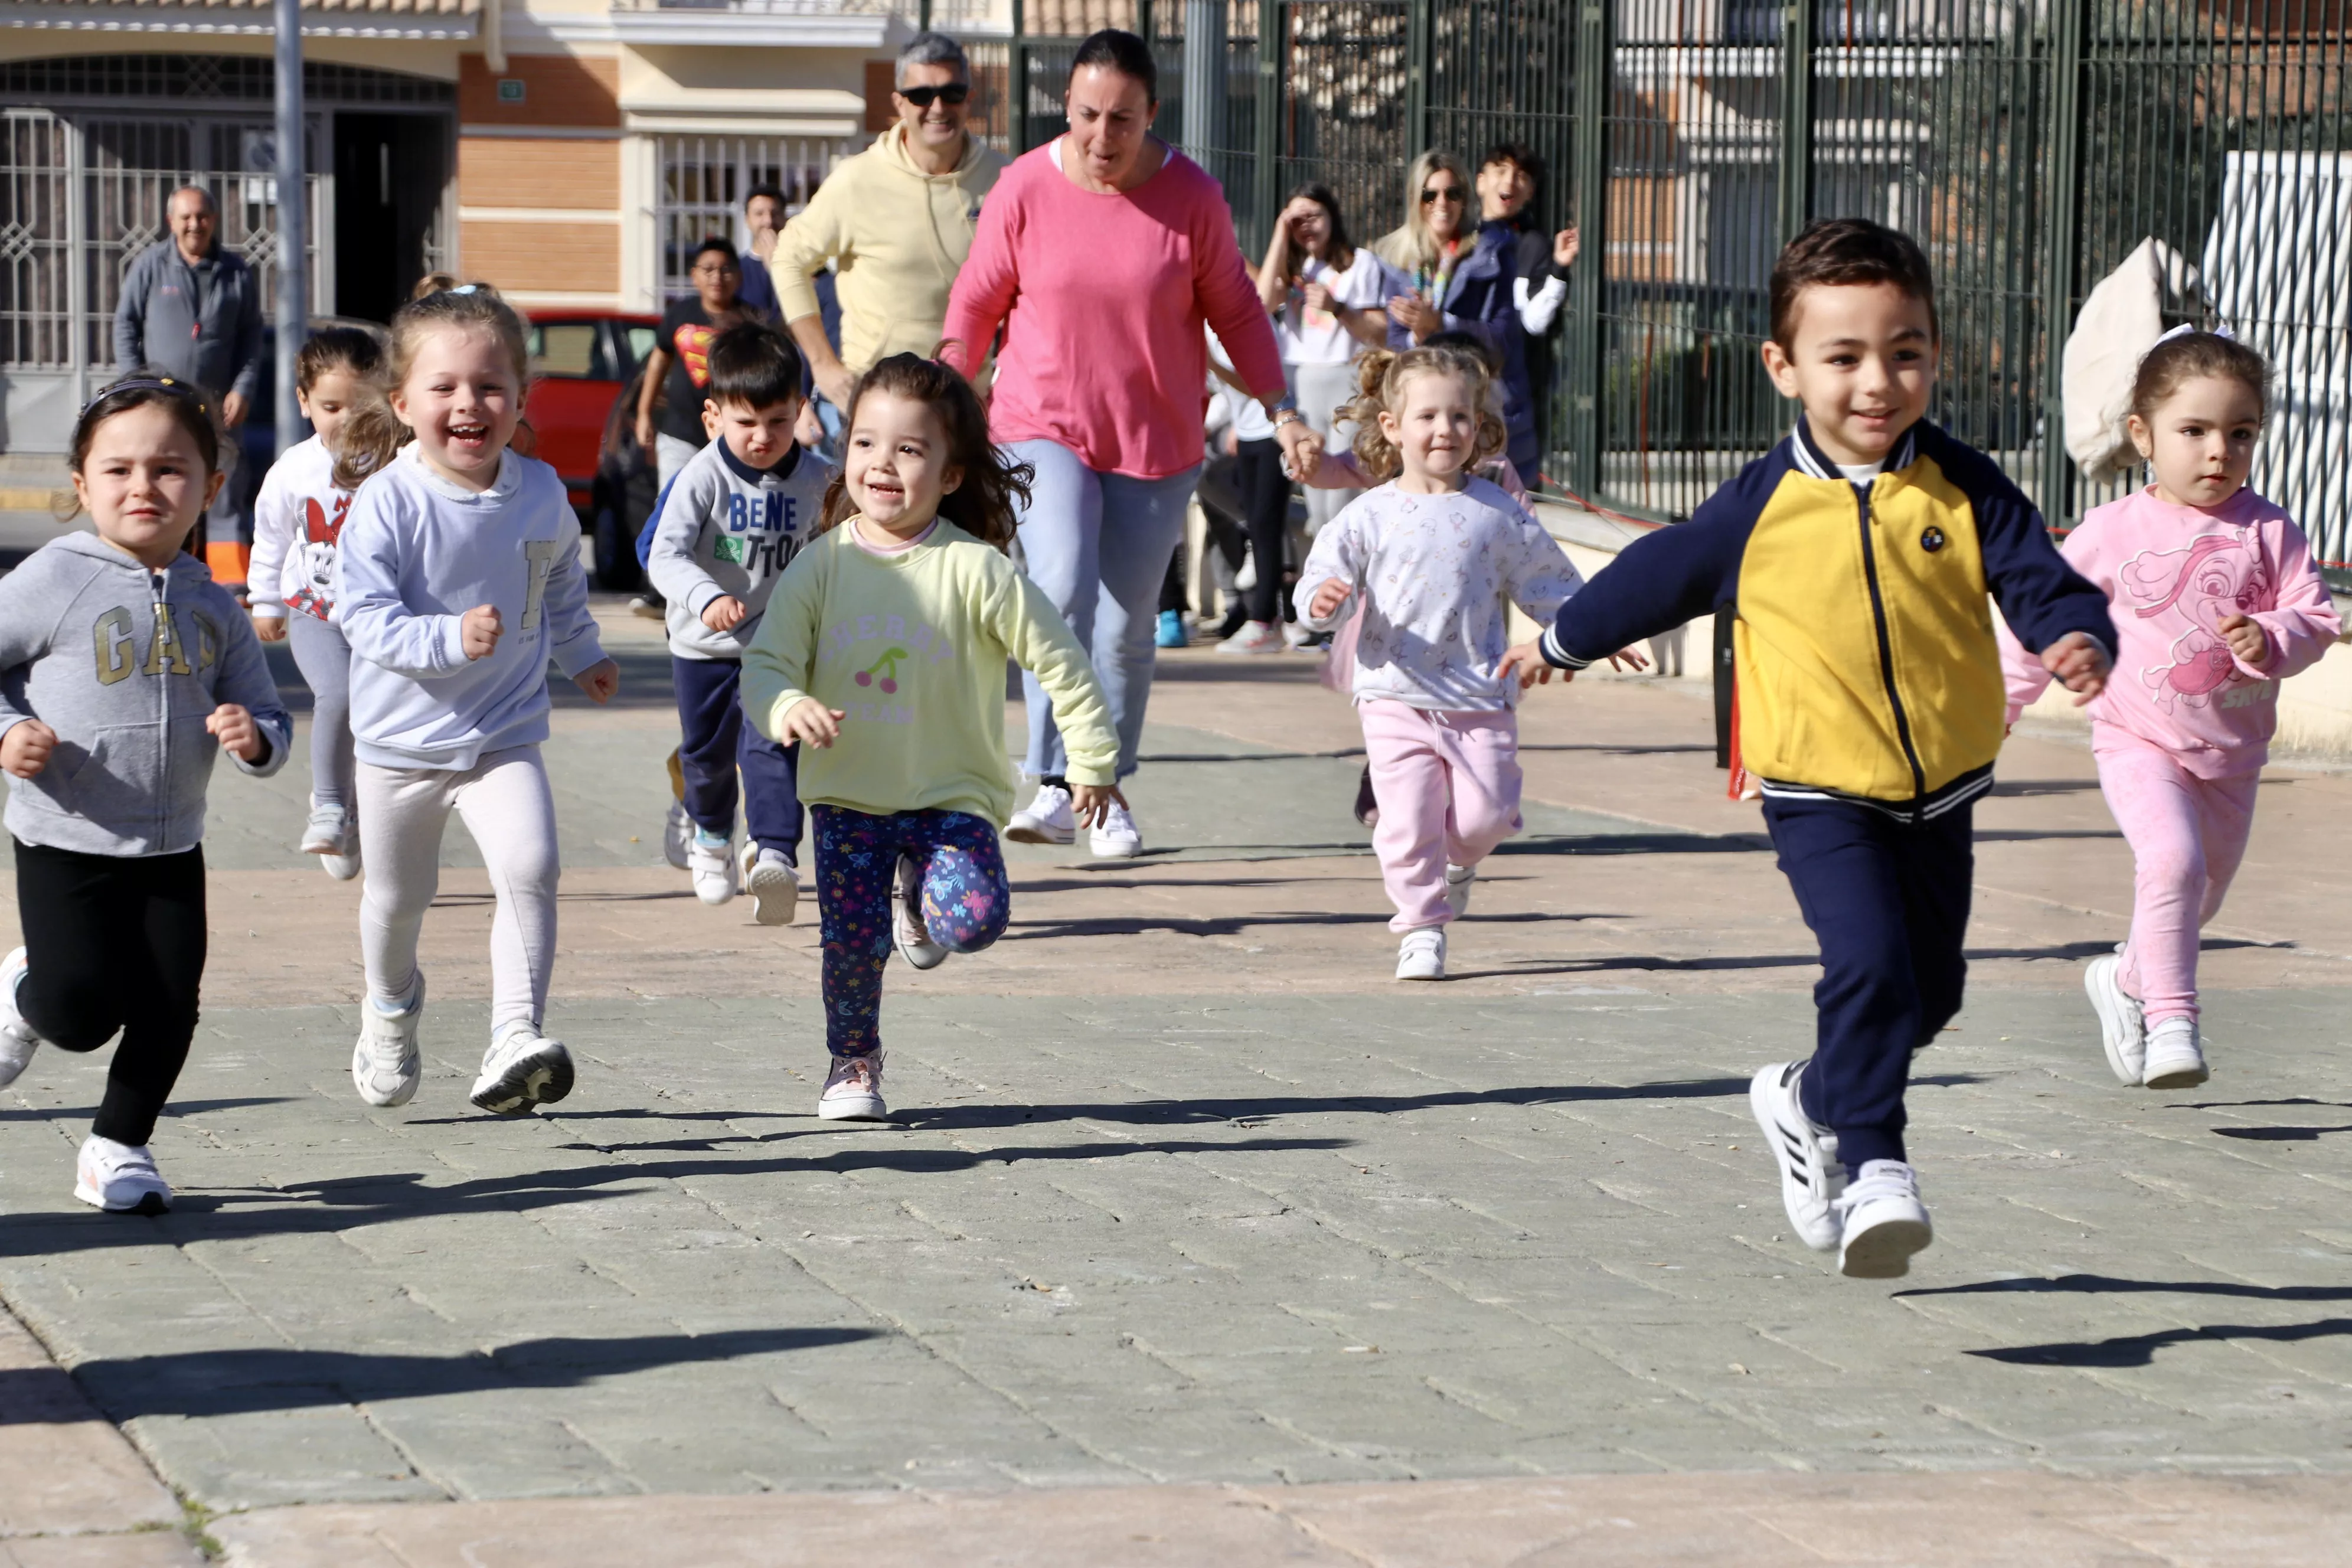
pixel 853 1090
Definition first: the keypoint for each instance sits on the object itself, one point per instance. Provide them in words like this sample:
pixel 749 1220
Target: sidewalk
pixel 1199 1239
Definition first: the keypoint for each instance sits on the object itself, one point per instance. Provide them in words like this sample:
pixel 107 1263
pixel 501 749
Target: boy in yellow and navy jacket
pixel 1858 554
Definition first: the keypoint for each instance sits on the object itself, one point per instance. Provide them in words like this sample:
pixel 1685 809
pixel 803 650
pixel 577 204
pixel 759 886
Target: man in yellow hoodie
pixel 894 221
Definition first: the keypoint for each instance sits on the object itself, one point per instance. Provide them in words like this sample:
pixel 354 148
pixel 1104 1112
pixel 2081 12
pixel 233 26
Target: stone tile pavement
pixel 1198 1237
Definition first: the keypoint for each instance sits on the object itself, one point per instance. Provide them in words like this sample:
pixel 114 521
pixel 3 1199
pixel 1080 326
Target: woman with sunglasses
pixel 1428 246
pixel 1102 254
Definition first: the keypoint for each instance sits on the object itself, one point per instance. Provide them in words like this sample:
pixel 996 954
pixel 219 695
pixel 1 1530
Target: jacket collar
pixel 91 547
pixel 750 475
pixel 1814 463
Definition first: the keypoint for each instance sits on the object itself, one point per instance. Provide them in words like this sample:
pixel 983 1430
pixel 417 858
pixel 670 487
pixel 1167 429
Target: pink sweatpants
pixel 1448 788
pixel 2187 835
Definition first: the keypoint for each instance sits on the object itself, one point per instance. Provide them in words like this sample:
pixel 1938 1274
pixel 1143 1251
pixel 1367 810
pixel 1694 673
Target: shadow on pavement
pixel 1261 1107
pixel 2140 1349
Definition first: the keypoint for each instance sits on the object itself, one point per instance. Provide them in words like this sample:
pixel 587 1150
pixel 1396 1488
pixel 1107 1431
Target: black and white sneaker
pixel 908 926
pixel 521 1071
pixel 1811 1177
pixel 1882 1222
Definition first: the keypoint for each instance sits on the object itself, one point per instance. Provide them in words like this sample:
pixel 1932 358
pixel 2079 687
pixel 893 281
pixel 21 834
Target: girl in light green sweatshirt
pixel 883 652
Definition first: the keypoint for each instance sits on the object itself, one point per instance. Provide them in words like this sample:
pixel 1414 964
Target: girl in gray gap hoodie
pixel 123 669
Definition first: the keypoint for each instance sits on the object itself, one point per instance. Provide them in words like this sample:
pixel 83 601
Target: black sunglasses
pixel 955 92
pixel 1441 193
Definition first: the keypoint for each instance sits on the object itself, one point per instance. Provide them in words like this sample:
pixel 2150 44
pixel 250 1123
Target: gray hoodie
pixel 125 665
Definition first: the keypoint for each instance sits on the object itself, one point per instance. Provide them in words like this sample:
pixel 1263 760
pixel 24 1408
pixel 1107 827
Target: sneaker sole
pixel 150 1204
pixel 342 868
pixel 852 1110
pixel 2179 1078
pixel 540 1079
pixel 1883 1251
pixel 1434 974
pixel 1033 832
pixel 775 897
pixel 1761 1092
pixel 926 955
pixel 2114 1027
pixel 1119 851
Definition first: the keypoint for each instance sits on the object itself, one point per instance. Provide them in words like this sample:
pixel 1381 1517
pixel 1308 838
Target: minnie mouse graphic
pixel 319 532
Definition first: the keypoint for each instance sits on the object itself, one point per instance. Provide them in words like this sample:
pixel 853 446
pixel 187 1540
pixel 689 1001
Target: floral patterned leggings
pixel 966 902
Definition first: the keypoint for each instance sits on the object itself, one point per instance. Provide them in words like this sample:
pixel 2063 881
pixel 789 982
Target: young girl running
pixel 123 669
pixel 1438 557
pixel 296 519
pixel 883 653
pixel 457 580
pixel 2216 601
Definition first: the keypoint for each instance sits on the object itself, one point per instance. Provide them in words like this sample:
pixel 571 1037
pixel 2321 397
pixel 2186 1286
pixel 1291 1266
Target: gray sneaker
pixel 385 1066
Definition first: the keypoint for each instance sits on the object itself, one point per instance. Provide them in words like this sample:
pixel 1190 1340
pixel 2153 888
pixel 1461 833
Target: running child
pixel 1858 553
pixel 123 669
pixel 883 652
pixel 724 531
pixel 2216 600
pixel 296 519
pixel 1435 557
pixel 457 580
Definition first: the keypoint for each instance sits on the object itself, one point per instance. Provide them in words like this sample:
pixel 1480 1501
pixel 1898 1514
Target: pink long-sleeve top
pixel 2172 572
pixel 1102 296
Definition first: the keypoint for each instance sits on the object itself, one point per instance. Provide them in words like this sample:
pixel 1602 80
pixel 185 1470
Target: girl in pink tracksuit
pixel 2216 601
pixel 1437 557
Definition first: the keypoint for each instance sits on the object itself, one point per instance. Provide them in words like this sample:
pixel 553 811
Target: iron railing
pixel 2031 145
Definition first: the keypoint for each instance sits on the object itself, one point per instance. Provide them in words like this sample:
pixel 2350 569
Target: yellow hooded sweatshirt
pixel 896 236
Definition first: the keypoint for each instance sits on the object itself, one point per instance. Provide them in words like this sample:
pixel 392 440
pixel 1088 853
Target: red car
pixel 578 362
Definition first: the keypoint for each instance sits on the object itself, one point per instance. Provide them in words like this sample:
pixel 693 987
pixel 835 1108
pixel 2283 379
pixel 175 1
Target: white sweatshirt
pixel 417 553
pixel 296 520
pixel 726 527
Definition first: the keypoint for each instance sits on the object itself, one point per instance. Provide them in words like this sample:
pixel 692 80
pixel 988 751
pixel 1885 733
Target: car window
pixel 565 349
pixel 641 343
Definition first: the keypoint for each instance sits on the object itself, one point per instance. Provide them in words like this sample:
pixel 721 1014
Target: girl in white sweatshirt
pixel 457 580
pixel 296 519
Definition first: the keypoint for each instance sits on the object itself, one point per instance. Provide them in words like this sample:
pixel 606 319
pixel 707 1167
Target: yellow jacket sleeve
pixel 1040 642
pixel 776 665
pixel 808 242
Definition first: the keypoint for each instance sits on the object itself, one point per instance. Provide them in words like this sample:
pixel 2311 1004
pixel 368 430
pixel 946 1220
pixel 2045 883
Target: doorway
pixel 390 170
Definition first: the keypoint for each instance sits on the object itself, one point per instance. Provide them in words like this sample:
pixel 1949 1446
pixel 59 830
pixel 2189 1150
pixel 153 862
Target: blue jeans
pixel 1099 545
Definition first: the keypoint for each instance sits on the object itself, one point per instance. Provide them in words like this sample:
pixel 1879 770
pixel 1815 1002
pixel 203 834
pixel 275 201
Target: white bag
pixel 2120 320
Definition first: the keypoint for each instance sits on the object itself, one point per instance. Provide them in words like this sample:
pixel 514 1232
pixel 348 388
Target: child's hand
pixel 478 631
pixel 2245 638
pixel 1090 803
pixel 1628 659
pixel 269 629
pixel 2079 663
pixel 600 680
pixel 239 735
pixel 811 721
pixel 724 613
pixel 24 750
pixel 1328 598
pixel 1526 662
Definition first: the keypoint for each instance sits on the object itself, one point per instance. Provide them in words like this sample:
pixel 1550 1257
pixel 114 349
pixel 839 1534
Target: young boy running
pixel 1857 554
pixel 726 527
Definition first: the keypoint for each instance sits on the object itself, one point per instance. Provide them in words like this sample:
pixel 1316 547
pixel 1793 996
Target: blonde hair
pixel 1410 244
pixel 1380 378
pixel 374 435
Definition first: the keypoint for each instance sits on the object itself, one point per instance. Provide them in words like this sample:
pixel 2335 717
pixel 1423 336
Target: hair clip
pixel 148 384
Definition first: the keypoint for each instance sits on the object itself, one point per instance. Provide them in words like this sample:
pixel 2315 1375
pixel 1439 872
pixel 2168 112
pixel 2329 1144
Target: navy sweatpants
pixel 1888 902
pixel 715 742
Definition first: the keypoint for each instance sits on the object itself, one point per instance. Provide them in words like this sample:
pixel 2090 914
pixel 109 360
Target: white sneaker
pixel 17 1039
pixel 1457 889
pixel 385 1066
pixel 2176 1058
pixel 1046 819
pixel 2121 1029
pixel 1245 575
pixel 1883 1222
pixel 853 1090
pixel 713 866
pixel 768 877
pixel 1296 637
pixel 342 868
pixel 330 831
pixel 1811 1177
pixel 120 1178
pixel 522 1070
pixel 1421 954
pixel 1256 636
pixel 678 834
pixel 1118 838
pixel 907 924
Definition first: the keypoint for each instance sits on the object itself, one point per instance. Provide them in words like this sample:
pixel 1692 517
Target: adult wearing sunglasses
pixel 1429 245
pixel 895 222
pixel 1101 256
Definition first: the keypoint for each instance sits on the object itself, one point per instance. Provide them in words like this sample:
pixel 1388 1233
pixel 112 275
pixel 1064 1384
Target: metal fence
pixel 2031 145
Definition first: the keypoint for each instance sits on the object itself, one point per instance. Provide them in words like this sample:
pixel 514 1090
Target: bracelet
pixel 1294 417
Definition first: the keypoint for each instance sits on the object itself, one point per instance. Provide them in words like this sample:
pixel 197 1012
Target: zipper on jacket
pixel 1886 646
pixel 162 584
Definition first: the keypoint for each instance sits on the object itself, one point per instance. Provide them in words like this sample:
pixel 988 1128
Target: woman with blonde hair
pixel 1436 228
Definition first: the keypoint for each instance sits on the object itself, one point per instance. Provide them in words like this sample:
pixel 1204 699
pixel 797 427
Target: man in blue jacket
pixel 193 310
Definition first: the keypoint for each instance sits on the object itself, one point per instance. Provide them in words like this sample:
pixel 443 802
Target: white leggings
pixel 505 801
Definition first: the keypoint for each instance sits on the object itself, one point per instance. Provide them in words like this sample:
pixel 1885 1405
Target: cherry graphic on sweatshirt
pixel 887 668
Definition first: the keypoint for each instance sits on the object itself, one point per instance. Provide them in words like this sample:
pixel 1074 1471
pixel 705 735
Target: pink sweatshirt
pixel 2171 573
pixel 1102 296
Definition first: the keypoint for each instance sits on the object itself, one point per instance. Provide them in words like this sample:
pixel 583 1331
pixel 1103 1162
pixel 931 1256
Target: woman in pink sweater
pixel 1100 254
pixel 2216 601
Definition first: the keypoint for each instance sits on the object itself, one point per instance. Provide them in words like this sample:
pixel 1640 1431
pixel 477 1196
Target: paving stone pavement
pixel 1184 1193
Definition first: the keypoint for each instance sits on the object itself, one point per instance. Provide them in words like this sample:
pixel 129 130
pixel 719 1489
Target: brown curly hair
pixel 987 503
pixel 1381 378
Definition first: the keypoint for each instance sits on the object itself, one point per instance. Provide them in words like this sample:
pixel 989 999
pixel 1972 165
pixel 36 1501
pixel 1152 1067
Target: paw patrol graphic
pixel 2191 590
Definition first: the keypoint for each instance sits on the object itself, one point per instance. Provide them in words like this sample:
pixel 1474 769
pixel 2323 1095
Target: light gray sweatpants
pixel 507 808
pixel 325 661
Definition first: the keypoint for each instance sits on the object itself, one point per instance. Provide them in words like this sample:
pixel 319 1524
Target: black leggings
pixel 115 943
pixel 1266 513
